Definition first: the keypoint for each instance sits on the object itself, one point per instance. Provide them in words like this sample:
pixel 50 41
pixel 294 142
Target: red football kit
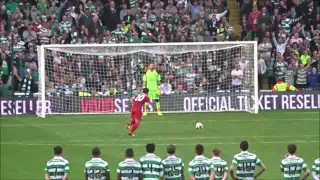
pixel 138 103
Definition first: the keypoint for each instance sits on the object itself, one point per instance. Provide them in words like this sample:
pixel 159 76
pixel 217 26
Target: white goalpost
pixel 101 78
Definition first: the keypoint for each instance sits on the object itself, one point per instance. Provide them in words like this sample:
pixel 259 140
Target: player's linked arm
pixel 232 172
pixel 306 175
pixel 211 175
pixel 261 170
pixel 192 177
pixel 118 176
pixel 182 174
pixel 225 176
pixel 47 177
pixel 108 175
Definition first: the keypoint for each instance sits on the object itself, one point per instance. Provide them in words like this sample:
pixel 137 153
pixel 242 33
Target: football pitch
pixel 27 142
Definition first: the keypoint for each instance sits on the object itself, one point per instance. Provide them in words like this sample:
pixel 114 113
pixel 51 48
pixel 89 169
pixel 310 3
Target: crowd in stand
pixel 287 32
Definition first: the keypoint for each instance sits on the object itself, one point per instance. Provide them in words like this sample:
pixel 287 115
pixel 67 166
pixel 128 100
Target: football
pixel 199 126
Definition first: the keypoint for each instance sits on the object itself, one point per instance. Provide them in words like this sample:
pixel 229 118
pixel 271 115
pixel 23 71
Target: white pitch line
pixel 160 139
pixel 186 144
pixel 157 121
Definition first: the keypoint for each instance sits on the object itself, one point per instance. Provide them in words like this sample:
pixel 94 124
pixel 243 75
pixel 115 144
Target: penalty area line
pixel 160 144
pixel 157 122
pixel 157 139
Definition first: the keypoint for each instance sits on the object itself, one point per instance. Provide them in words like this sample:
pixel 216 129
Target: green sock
pixel 158 106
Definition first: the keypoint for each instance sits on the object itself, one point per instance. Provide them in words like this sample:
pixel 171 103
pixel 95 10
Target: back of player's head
pixel 171 149
pixel 244 145
pixel 292 148
pixel 199 149
pixel 216 152
pixel 145 90
pixel 150 148
pixel 57 150
pixel 96 152
pixel 129 153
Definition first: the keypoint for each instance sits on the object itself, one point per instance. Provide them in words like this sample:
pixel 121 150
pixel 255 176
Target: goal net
pixel 101 78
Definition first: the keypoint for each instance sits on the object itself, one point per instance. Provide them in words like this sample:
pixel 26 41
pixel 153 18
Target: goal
pixel 101 78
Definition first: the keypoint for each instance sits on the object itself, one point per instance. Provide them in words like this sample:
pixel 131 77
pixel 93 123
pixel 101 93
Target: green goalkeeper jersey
pixel 173 168
pixel 57 167
pixel 96 169
pixel 152 78
pixel 220 167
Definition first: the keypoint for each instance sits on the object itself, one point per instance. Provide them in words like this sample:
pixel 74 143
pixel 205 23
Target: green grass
pixel 27 142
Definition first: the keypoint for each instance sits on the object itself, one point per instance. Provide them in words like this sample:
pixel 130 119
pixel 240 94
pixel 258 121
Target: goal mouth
pixel 101 78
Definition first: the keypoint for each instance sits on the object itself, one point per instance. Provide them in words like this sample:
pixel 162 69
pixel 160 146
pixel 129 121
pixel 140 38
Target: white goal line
pixel 153 122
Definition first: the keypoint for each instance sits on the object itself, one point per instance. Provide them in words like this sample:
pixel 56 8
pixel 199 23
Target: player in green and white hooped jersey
pixel 173 166
pixel 316 169
pixel 220 166
pixel 152 168
pixel 245 163
pixel 57 168
pixel 96 168
pixel 129 169
pixel 292 165
pixel 201 168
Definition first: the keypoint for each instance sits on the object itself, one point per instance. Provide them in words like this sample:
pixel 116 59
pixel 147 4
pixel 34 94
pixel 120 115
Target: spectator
pixel 245 27
pixel 4 69
pixel 3 88
pixel 313 78
pixel 264 49
pixel 110 16
pixel 253 20
pixel 302 78
pixel 286 23
pixel 237 78
pixel 290 74
pixel 296 39
pixel 246 7
pixel 195 9
pixel 25 84
pixel 281 45
pixel 280 67
pixel 166 88
pixel 305 58
pixel 264 17
pixel 262 71
pixel 29 35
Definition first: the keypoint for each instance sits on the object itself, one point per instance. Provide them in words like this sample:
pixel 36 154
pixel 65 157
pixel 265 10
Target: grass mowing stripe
pixel 128 144
pixel 155 122
pixel 164 139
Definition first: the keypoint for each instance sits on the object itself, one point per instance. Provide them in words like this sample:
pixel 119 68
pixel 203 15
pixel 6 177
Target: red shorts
pixel 136 115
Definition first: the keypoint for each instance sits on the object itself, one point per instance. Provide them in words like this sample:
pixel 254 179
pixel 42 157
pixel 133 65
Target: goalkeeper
pixel 151 80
